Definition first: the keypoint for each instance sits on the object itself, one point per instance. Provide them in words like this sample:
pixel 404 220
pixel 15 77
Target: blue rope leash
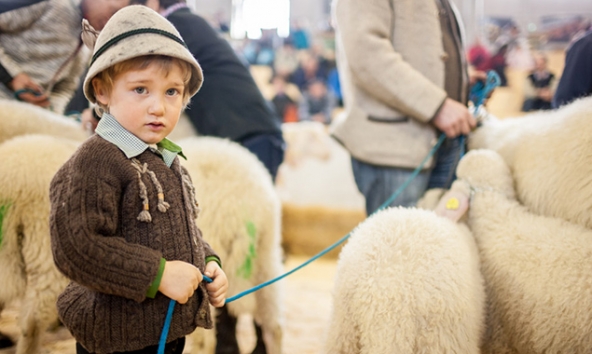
pixel 168 319
pixel 477 96
pixel 340 241
pixel 169 316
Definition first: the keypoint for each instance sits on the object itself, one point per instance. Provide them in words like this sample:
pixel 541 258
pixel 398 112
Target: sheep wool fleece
pixel 112 219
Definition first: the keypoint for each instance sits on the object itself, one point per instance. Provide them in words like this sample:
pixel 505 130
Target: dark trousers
pixel 269 148
pixel 174 347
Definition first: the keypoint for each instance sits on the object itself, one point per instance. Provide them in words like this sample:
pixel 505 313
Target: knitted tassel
pixel 144 215
pixel 162 205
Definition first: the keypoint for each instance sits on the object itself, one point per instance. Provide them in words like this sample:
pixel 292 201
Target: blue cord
pixel 169 316
pixel 478 94
pixel 168 319
pixel 340 241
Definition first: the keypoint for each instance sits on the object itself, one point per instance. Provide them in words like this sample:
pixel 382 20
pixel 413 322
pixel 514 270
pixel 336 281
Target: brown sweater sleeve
pixel 84 218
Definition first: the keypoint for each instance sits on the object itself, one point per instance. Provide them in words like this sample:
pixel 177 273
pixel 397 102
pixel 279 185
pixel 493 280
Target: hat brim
pixel 138 46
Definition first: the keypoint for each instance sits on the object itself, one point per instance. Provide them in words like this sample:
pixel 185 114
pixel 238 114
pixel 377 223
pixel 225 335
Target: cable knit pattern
pixel 38 40
pixel 112 257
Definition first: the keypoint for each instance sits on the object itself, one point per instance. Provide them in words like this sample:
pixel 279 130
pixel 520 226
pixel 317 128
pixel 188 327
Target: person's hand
pixel 88 120
pixel 219 286
pixel 454 119
pixel 28 90
pixel 476 75
pixel 179 280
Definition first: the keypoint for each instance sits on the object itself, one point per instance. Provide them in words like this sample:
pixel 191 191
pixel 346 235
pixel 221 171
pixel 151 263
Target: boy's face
pixel 147 102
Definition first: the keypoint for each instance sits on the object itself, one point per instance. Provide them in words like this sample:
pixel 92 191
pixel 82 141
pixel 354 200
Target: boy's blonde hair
pixel 163 62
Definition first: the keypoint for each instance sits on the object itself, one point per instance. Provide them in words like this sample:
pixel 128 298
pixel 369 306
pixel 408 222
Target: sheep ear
pixel 453 205
pixel 89 34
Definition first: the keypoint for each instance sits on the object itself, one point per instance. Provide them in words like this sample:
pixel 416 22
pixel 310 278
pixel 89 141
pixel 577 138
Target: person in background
pixel 109 200
pixel 478 56
pixel 539 86
pixel 498 63
pixel 397 100
pixel 317 103
pixel 284 105
pixel 576 80
pixel 334 85
pixel 41 54
pixel 307 71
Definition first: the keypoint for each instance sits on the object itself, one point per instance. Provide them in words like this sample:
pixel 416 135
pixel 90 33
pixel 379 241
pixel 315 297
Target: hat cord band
pixel 124 35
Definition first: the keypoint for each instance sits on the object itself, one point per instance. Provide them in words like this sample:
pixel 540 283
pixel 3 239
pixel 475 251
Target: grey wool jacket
pixel 391 57
pixel 42 40
pixel 102 241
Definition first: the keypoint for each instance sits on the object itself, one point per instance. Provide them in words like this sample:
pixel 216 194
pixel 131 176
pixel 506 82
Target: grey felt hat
pixel 131 32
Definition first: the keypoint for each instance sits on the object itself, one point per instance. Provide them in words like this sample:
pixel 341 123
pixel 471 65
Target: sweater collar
pixel 110 130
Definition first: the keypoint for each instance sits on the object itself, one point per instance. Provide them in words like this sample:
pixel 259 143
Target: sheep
pixel 537 269
pixel 240 219
pixel 26 263
pixel 549 154
pixel 19 118
pixel 407 281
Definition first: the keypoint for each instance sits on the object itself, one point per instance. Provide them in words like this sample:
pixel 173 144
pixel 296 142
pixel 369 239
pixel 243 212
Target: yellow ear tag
pixel 452 204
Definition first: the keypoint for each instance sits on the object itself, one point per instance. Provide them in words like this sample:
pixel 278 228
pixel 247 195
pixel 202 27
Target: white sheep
pixel 408 281
pixel 240 219
pixel 19 118
pixel 537 269
pixel 27 270
pixel 549 154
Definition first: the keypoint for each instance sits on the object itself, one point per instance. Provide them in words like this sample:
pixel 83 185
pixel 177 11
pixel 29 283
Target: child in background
pixel 123 209
pixel 317 103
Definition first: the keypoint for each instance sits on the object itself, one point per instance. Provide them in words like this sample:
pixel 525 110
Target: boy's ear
pixel 101 92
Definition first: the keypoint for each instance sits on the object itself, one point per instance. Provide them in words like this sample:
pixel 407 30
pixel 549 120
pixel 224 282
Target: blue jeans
pixel 444 171
pixel 378 183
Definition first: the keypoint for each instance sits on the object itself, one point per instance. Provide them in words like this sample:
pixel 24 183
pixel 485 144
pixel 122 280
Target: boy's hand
pixel 179 280
pixel 219 286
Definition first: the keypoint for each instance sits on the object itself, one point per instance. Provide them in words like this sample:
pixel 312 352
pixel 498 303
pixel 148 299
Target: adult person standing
pixel 230 105
pixel 576 80
pixel 404 79
pixel 41 53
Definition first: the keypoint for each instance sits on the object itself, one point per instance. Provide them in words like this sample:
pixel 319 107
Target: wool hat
pixel 135 31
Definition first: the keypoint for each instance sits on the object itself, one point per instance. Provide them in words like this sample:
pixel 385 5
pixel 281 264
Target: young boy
pixel 123 209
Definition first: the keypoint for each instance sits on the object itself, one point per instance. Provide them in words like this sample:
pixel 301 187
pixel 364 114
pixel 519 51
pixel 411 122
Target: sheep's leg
pixel 268 316
pixel 260 346
pixel 226 342
pixel 5 341
pixel 44 283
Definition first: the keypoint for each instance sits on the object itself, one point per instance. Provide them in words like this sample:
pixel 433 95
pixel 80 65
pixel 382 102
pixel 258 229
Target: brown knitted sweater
pixel 112 257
